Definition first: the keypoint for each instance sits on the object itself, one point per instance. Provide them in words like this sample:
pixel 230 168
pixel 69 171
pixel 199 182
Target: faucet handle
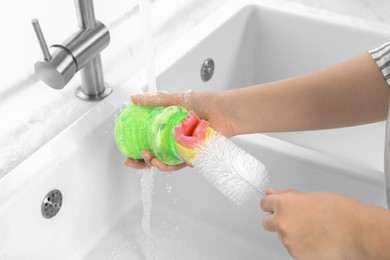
pixel 56 70
pixel 41 40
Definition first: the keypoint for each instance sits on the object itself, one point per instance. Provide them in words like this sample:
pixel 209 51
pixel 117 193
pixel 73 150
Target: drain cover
pixel 207 70
pixel 51 204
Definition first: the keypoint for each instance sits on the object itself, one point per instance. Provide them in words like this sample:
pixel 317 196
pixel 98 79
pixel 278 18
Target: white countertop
pixel 32 113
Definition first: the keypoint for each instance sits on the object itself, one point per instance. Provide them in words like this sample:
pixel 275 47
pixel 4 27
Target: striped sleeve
pixel 381 55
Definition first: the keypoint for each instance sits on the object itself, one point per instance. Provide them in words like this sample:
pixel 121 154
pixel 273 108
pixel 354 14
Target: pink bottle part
pixel 191 130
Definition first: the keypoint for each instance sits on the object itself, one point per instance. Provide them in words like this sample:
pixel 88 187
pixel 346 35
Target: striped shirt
pixel 381 55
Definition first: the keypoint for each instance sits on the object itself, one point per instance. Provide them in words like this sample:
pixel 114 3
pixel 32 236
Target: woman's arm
pixel 350 93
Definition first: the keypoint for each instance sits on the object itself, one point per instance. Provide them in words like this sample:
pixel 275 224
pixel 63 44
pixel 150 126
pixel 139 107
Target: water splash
pixel 147 184
pixel 147 188
pixel 144 6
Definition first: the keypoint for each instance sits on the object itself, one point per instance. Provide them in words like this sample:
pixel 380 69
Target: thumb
pixel 274 191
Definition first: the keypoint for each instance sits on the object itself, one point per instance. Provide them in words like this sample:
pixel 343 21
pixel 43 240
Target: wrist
pixel 235 107
pixel 228 103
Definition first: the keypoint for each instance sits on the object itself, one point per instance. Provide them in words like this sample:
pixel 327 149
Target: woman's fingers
pixel 268 203
pixel 158 99
pixel 150 161
pixel 273 191
pixel 269 222
pixel 136 164
pixel 148 157
pixel 167 168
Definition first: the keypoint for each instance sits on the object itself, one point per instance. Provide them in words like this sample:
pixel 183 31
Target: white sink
pixel 251 42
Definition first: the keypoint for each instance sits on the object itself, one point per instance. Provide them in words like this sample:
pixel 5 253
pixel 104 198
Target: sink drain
pixel 207 69
pixel 51 204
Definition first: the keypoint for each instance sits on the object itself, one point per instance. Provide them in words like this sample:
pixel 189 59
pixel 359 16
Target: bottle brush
pixel 174 135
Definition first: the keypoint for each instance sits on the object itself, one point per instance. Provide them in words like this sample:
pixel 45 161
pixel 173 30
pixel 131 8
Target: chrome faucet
pixel 81 51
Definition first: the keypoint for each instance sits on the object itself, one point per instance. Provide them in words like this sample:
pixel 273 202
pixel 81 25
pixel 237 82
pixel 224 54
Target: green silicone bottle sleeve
pixel 130 128
pixel 140 128
pixel 162 141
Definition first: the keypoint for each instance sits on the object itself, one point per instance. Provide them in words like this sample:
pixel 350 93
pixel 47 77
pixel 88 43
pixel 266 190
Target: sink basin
pixel 250 42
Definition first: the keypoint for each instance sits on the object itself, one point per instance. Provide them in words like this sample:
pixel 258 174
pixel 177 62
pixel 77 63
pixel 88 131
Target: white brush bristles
pixel 236 173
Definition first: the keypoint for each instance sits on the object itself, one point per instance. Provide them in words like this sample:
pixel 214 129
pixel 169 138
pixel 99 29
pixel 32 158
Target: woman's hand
pixel 207 105
pixel 149 161
pixel 316 225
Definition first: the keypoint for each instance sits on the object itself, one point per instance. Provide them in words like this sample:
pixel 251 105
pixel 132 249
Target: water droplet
pixel 147 188
pixel 168 187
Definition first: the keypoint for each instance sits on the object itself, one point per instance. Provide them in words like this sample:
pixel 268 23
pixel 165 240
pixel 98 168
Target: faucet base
pixel 80 94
